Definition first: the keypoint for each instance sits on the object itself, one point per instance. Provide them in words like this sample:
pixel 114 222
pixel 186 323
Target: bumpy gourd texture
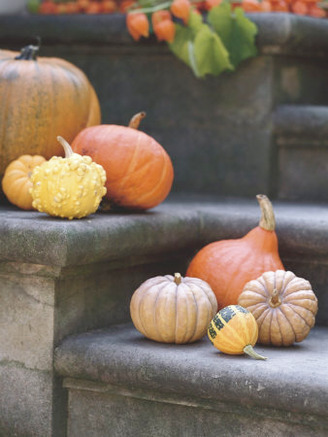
pixel 68 187
pixel 233 328
pixel 283 305
pixel 166 312
pixel 40 98
pixel 16 183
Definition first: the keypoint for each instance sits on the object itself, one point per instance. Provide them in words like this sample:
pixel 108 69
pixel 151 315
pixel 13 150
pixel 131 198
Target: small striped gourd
pixel 233 330
pixel 173 309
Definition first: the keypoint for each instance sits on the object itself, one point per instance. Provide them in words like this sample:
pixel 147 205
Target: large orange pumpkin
pixel 41 98
pixel 139 171
pixel 227 265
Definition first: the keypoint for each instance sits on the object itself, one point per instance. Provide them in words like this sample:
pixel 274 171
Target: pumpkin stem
pixel 275 300
pixel 136 119
pixel 30 52
pixel 67 148
pixel 251 352
pixel 177 278
pixel 267 220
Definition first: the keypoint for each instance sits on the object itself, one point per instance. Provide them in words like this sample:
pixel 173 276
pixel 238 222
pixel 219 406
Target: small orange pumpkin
pixel 283 305
pixel 228 264
pixel 16 182
pixel 138 169
pixel 41 97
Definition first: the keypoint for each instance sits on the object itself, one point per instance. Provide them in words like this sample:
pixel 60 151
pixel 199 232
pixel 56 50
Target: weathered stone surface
pixel 301 135
pixel 134 415
pixel 26 320
pixel 91 267
pixel 158 381
pixel 26 402
pixel 41 239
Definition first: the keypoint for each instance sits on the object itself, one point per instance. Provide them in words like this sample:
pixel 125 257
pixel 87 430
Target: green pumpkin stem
pixel 67 148
pixel 251 352
pixel 267 220
pixel 30 52
pixel 136 119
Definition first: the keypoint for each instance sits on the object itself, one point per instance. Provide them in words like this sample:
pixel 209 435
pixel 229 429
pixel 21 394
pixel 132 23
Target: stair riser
pixel 135 414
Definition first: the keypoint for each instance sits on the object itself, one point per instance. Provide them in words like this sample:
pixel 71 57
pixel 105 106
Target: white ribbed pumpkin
pixel 173 309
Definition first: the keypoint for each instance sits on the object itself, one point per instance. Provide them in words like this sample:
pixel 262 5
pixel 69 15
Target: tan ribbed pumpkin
pixel 173 309
pixel 283 305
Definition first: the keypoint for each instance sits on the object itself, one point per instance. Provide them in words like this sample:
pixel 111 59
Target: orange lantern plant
pixel 139 171
pixel 227 265
pixel 41 97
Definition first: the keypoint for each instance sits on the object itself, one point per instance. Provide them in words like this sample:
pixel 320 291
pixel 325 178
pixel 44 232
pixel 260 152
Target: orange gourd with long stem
pixel 227 265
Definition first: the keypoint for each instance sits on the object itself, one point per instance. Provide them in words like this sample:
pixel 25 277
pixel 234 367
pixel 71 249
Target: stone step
pixel 60 278
pixel 301 135
pixel 120 383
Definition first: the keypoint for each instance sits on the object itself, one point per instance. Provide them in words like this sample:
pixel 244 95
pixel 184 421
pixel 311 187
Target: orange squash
pixel 139 171
pixel 227 265
pixel 16 183
pixel 41 98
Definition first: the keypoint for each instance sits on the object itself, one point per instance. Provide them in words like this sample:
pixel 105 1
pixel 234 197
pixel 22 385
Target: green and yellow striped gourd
pixel 233 330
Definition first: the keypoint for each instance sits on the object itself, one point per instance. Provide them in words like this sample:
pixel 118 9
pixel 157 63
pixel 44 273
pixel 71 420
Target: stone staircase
pixel 66 286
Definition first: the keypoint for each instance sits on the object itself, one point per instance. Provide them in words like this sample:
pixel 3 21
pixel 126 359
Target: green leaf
pixel 236 31
pixel 211 57
pixel 200 48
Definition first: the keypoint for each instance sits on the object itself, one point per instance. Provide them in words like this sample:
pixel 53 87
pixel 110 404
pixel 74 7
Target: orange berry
pixel 159 16
pixel 299 7
pixel 93 8
pixel 124 5
pixel 315 11
pixel 72 7
pixel 251 5
pixel 108 6
pixel 280 6
pixel 164 30
pixel 266 6
pixel 181 9
pixel 138 25
pixel 48 7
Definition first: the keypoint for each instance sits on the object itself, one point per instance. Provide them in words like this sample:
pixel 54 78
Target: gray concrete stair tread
pixel 293 379
pixel 180 223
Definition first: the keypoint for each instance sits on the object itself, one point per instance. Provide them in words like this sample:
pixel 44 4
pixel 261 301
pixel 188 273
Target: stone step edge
pixel 278 33
pixel 120 359
pixel 301 126
pixel 177 225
